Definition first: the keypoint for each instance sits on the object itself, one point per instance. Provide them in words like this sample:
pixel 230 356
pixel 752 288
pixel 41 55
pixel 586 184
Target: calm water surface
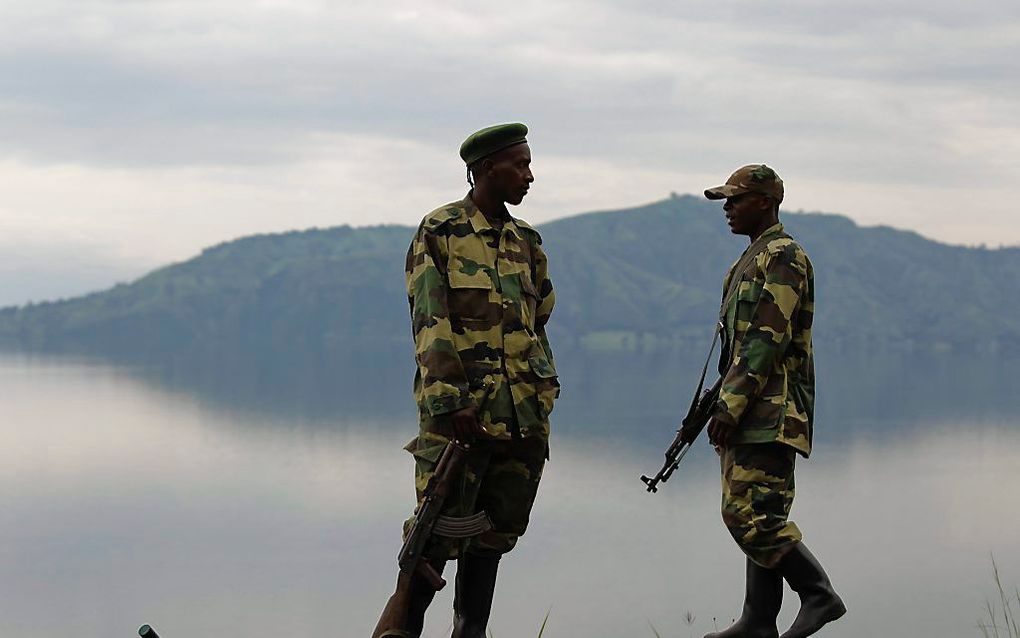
pixel 126 499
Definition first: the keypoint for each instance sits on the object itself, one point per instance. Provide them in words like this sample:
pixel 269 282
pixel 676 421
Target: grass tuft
pixel 1004 613
pixel 544 621
pixel 654 630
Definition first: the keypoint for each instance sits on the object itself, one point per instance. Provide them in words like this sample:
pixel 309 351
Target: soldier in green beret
pixel 764 415
pixel 480 297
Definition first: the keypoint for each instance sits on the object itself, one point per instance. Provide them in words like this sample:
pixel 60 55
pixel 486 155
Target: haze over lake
pixel 256 508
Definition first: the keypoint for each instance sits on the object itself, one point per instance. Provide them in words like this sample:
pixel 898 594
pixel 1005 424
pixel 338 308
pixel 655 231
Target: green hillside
pixel 642 278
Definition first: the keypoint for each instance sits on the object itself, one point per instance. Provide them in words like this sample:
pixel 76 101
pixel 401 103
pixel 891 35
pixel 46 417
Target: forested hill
pixel 641 278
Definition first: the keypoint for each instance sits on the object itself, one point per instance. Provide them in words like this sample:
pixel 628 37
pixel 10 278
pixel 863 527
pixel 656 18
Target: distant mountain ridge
pixel 642 278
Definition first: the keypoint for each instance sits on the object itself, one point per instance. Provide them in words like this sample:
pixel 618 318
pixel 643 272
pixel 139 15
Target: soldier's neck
pixel 493 208
pixel 765 225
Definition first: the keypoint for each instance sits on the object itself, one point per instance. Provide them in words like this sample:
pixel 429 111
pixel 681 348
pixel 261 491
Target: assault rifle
pixel 697 417
pixel 428 522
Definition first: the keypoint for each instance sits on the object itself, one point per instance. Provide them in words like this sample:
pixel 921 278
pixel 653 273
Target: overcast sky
pixel 133 133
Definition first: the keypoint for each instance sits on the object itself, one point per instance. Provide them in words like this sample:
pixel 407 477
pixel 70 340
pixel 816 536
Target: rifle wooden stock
pixel 394 615
pixel 393 620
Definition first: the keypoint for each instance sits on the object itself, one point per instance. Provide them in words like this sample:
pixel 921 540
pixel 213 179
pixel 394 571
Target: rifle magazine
pixel 462 527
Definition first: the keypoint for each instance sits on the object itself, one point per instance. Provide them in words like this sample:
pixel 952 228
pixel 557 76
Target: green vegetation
pixel 642 279
pixel 1001 620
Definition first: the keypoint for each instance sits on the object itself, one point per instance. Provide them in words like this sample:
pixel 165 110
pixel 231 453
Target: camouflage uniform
pixel 767 394
pixel 480 299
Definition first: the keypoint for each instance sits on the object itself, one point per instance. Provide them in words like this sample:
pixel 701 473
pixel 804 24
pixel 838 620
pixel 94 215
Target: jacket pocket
pixel 740 312
pixel 542 367
pixel 426 453
pixel 748 292
pixel 766 412
pixel 529 301
pixel 546 382
pixel 469 298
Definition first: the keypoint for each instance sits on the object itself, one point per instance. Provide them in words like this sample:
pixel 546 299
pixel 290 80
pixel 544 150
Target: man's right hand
pixel 466 426
pixel 719 433
pixel 687 435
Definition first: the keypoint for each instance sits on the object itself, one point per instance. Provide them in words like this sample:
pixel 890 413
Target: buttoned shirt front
pixel 480 298
pixel 768 392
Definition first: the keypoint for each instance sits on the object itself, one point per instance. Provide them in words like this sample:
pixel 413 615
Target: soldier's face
pixel 746 213
pixel 511 173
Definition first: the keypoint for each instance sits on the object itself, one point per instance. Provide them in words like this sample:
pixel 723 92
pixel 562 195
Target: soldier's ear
pixel 486 166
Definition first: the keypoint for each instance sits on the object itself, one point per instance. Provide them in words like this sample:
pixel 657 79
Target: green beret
pixel 491 139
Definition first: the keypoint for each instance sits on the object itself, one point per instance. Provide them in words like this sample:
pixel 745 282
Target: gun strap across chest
pixel 704 369
pixel 756 248
pixel 737 273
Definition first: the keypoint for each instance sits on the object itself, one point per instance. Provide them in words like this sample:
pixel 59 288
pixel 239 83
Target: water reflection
pixel 126 501
pixel 605 394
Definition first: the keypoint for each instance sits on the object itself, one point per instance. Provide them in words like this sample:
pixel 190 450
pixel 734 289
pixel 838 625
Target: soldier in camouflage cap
pixel 765 411
pixel 480 297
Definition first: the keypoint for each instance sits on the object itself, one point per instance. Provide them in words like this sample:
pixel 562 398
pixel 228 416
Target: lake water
pixel 269 505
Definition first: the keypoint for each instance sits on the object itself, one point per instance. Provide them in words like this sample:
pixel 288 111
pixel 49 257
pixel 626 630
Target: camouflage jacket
pixel 768 392
pixel 480 299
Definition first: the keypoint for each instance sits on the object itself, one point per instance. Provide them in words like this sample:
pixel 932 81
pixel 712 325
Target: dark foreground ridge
pixel 645 278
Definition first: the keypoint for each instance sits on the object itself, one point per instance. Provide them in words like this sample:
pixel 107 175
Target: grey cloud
pixel 826 18
pixel 844 83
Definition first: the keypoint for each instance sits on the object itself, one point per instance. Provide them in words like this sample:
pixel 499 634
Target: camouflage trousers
pixel 757 493
pixel 500 478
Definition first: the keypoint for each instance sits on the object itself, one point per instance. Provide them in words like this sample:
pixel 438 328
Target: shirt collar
pixel 481 225
pixel 775 229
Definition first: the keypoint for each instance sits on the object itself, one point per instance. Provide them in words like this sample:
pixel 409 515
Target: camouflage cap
pixel 753 178
pixel 491 139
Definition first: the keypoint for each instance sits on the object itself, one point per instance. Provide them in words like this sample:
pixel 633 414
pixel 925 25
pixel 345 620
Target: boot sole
pixel 742 632
pixel 835 612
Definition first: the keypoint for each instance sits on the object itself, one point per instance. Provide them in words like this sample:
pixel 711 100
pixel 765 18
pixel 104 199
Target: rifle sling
pixel 736 275
pixel 749 255
pixel 704 369
pixel 755 249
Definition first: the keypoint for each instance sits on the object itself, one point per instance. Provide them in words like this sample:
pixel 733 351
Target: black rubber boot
pixel 472 601
pixel 421 596
pixel 819 602
pixel 763 597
